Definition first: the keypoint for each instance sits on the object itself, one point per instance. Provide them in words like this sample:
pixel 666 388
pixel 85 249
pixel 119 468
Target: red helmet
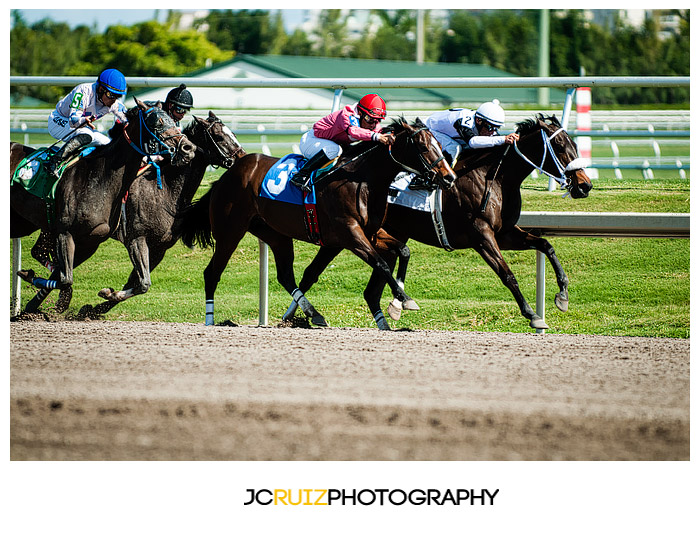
pixel 373 105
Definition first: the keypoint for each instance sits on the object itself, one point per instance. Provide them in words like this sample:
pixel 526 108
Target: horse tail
pixel 196 227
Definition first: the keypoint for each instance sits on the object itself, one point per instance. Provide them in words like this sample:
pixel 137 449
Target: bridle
pixel 429 167
pixel 225 157
pixel 563 178
pixel 151 141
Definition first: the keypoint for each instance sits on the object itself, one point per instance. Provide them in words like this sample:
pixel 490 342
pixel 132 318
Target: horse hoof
pixel 383 325
pixel 393 311
pixel 410 305
pixel 318 320
pixel 538 323
pixel 64 298
pixel 26 275
pixel 562 302
pixel 106 293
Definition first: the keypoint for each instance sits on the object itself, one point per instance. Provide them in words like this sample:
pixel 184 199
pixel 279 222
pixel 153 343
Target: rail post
pixel 16 302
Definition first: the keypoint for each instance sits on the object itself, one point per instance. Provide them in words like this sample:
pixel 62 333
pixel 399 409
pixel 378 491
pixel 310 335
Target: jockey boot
pixel 72 147
pixel 301 179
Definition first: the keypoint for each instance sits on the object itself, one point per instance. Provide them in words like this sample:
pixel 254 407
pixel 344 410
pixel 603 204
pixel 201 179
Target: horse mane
pixel 530 125
pixel 400 124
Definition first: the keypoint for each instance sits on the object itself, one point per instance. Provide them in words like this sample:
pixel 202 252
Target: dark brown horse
pixel 350 205
pixel 480 212
pixel 149 226
pixel 89 193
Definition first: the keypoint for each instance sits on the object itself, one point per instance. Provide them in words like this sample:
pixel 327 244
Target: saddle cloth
pixel 399 194
pixel 31 175
pixel 276 183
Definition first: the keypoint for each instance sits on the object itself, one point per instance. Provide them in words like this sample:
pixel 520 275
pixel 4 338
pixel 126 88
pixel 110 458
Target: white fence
pixel 655 129
pixel 568 83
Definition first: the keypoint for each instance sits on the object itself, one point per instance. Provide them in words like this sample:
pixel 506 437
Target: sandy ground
pixel 102 390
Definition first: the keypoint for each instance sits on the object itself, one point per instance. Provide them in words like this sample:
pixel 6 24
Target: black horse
pixel 149 224
pixel 89 193
pixel 350 208
pixel 480 212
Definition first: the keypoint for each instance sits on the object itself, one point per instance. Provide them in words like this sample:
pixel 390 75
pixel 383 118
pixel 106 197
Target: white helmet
pixel 492 112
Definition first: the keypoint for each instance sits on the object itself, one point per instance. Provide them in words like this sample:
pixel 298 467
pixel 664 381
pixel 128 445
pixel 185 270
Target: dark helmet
pixel 180 96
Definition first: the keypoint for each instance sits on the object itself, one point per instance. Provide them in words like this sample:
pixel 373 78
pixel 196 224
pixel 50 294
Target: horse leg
pixel 140 279
pixel 311 274
pixel 43 250
pixel 61 277
pixel 364 250
pixel 490 252
pixel 283 251
pixel 517 239
pixel 392 248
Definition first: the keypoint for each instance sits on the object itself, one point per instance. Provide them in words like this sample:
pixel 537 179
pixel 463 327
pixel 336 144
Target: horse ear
pixel 212 116
pixel 140 104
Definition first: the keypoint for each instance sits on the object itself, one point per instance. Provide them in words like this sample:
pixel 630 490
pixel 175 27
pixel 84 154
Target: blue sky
pixel 109 17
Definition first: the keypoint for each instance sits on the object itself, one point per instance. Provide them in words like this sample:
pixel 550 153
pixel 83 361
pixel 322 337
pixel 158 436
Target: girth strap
pixel 435 198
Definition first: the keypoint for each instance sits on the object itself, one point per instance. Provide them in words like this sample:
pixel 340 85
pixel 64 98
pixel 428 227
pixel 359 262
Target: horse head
pixel 157 134
pixel 420 152
pixel 559 154
pixel 216 140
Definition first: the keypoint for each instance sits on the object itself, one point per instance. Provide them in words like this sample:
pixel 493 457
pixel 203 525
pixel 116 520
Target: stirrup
pixel 418 183
pixel 304 185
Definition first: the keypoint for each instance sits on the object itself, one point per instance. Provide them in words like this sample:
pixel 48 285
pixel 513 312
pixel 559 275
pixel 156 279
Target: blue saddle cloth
pixel 276 183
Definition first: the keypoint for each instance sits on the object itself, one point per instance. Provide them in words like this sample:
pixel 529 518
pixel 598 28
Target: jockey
pixel 178 103
pixel 75 114
pixel 324 142
pixel 460 128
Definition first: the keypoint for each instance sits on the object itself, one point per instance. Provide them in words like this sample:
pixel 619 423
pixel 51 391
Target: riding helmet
pixel 180 96
pixel 113 81
pixel 373 105
pixel 491 112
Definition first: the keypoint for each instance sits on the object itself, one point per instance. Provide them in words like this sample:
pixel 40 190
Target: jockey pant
pixel 310 145
pixel 449 145
pixel 59 127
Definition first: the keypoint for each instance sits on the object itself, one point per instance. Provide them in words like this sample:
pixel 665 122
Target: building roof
pixel 319 67
pixel 277 66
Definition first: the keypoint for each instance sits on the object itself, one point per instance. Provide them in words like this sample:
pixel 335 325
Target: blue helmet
pixel 113 80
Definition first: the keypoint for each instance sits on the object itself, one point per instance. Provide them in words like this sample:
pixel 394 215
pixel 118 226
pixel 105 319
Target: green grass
pixel 618 286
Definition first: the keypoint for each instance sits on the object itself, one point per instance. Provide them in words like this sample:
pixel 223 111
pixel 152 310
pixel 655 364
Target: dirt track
pixel 96 390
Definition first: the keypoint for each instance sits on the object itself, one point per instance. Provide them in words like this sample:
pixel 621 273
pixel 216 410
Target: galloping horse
pixel 480 212
pixel 350 204
pixel 89 194
pixel 149 226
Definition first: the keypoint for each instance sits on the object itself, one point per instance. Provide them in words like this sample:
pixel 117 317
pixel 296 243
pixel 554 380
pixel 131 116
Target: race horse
pixel 480 212
pixel 149 226
pixel 89 193
pixel 350 205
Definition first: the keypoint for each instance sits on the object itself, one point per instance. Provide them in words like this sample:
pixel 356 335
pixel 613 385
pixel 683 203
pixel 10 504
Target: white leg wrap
pixel 209 313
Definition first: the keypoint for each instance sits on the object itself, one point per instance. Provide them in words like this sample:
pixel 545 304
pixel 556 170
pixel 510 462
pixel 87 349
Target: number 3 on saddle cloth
pixel 31 175
pixel 276 186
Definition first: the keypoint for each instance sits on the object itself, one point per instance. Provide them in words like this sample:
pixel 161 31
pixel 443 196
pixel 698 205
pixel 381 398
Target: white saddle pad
pixel 399 194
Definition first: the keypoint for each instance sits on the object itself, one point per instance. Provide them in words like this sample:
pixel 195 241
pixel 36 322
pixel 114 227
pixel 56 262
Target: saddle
pixel 31 175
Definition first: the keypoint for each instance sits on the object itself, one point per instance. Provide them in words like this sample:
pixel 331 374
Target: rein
pixel 428 166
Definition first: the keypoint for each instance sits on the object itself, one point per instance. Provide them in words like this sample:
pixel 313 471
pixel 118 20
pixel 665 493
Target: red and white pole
pixel 583 122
